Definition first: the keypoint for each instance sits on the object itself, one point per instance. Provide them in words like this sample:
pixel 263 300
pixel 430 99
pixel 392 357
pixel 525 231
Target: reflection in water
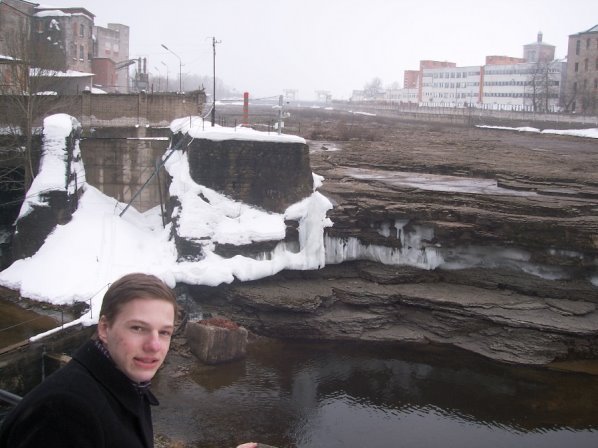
pixel 18 324
pixel 346 395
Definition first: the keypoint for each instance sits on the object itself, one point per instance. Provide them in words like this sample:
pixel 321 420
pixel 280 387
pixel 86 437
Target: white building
pixel 519 86
pixel 401 96
pixel 450 86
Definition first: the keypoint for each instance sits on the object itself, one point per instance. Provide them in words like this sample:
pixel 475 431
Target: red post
pixel 246 108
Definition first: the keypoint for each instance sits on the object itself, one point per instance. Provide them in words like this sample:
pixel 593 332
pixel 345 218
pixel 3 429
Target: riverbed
pixel 340 394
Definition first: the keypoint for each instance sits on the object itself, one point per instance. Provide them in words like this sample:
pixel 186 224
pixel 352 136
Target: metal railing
pixel 9 397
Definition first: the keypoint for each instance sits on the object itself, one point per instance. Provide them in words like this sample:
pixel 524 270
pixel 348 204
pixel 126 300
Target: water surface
pixel 315 395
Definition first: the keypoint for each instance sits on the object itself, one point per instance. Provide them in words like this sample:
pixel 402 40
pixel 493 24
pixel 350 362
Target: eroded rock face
pixel 270 175
pixel 504 227
pixel 372 302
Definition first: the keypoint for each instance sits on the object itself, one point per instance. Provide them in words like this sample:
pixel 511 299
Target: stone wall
pixel 119 167
pixel 116 110
pixel 271 175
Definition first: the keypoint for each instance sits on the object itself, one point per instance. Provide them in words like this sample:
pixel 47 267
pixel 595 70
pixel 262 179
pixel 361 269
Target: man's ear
pixel 102 329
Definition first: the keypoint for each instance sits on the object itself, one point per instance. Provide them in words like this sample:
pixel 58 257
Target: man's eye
pixel 166 333
pixel 137 328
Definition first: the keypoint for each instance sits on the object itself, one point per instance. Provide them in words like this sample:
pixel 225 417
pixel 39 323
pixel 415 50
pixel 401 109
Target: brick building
pixel 66 34
pixel 111 52
pixel 581 92
pixel 65 41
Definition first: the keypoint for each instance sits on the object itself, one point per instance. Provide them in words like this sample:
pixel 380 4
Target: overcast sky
pixel 335 45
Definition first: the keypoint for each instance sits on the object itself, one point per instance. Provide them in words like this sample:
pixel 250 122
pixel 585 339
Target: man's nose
pixel 153 342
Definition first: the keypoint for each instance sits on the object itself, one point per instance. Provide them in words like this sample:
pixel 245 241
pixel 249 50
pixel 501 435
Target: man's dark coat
pixel 88 403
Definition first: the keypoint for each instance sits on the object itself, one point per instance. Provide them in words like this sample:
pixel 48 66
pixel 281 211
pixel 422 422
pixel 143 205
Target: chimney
pixel 539 37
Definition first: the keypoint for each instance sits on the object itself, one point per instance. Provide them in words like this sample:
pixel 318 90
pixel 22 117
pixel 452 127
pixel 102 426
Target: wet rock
pixel 491 320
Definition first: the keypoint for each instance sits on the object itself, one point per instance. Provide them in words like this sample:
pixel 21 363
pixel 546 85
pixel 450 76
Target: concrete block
pixel 215 341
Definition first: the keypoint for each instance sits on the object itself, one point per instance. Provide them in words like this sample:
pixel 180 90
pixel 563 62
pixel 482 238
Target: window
pixel 576 67
pixel 82 30
pixel 596 83
pixel 577 46
pixel 574 87
pixel 81 52
pixel 585 64
pixel 587 44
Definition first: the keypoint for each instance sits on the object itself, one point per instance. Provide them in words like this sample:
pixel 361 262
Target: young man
pixel 102 398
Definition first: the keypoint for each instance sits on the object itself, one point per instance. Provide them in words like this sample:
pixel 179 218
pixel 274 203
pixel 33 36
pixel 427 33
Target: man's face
pixel 139 337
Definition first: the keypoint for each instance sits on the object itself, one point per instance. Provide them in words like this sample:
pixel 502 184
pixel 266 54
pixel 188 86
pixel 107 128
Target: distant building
pixel 581 92
pixel 450 86
pixel 523 86
pixel 532 83
pixel 410 79
pixel 538 51
pixel 15 20
pixel 112 44
pixel 66 34
pixel 65 41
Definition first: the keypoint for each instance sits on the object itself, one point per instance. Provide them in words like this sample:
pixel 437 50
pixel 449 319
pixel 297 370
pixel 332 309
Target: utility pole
pixel 214 42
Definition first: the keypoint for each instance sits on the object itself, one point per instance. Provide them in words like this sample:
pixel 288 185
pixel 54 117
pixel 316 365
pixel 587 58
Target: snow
pixel 58 13
pixel 80 259
pixel 58 74
pixel 588 133
pixel 196 127
pixel 52 170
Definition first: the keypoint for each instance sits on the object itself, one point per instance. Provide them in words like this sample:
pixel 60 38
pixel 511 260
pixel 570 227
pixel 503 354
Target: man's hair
pixel 134 286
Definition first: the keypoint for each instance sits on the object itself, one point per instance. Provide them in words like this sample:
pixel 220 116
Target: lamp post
pixel 180 67
pixel 214 42
pixel 167 83
pixel 159 77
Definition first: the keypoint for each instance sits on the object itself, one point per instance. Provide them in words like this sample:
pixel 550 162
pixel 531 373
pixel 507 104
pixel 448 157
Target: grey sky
pixel 335 45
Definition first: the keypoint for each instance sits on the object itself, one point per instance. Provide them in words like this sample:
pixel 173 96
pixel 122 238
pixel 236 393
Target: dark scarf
pixel 142 388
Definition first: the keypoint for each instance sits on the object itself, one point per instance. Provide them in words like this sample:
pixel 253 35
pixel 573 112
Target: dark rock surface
pixel 373 302
pixel 270 175
pixel 511 253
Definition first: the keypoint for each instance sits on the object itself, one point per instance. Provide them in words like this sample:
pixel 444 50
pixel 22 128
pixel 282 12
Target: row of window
pixel 586 64
pixel 79 52
pixel 521 71
pixel 451 95
pixel 454 74
pixel 517 95
pixel 452 85
pixel 550 82
pixel 588 44
pixel 585 84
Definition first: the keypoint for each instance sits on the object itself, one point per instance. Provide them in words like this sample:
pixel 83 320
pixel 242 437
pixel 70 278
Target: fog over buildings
pixel 339 45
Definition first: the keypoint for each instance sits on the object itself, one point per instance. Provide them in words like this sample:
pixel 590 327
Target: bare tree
pixel 373 88
pixel 29 78
pixel 543 86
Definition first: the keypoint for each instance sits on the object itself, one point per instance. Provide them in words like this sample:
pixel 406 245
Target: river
pixel 329 395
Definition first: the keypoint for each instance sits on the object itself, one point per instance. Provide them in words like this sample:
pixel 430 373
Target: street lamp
pixel 159 78
pixel 180 67
pixel 167 83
